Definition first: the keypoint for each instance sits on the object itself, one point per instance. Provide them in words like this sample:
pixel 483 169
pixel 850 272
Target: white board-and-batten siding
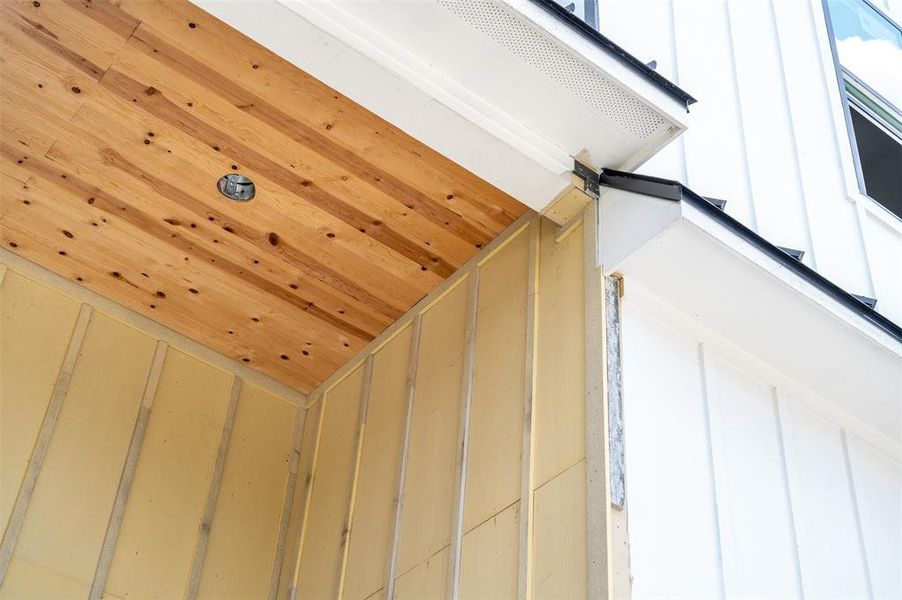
pixel 740 483
pixel 768 132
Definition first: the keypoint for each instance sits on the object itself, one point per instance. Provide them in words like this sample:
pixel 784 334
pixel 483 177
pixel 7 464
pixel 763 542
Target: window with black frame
pixel 868 48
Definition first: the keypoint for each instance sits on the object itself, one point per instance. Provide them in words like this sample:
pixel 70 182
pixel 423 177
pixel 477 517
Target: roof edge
pixel 668 189
pixel 600 40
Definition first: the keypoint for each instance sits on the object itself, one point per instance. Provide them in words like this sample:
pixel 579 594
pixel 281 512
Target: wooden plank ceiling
pixel 119 118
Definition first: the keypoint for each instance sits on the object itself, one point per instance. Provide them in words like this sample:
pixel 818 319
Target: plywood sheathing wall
pixel 449 460
pixel 135 463
pixel 119 117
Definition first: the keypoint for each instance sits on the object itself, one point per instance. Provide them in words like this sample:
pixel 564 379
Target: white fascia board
pixel 367 51
pixel 703 269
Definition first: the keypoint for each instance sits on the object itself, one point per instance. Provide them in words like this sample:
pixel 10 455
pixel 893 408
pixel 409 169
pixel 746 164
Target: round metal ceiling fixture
pixel 236 187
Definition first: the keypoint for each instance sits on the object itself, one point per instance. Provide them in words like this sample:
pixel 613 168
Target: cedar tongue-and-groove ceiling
pixel 119 118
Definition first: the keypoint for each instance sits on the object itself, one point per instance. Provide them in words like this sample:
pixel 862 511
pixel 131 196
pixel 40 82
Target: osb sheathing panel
pixel 377 484
pixel 156 543
pixel 68 515
pixel 428 494
pixel 510 499
pixel 27 372
pixel 496 415
pixel 324 535
pixel 245 525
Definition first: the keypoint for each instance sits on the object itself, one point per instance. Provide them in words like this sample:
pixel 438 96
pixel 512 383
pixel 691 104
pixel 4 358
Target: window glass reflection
pixel 869 46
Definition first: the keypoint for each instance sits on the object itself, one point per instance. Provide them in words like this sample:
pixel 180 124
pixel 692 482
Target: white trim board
pixel 695 263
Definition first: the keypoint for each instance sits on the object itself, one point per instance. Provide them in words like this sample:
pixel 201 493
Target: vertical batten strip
pixel 203 535
pixel 598 505
pixel 789 479
pixel 308 491
pixel 529 388
pixel 743 122
pixel 713 430
pixel 128 473
pixel 787 105
pixel 859 529
pixel 392 567
pixel 20 508
pixel 365 389
pixel 2 272
pixel 288 501
pixel 463 440
pixel 675 75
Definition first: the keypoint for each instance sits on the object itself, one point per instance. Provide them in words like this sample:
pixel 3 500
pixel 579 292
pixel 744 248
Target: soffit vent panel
pixel 515 70
pixel 523 40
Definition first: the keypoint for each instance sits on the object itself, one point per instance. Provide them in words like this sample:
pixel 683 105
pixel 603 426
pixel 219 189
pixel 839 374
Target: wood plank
pixel 66 25
pixel 143 284
pixel 112 278
pixel 280 83
pixel 135 103
pixel 198 167
pixel 255 161
pixel 322 162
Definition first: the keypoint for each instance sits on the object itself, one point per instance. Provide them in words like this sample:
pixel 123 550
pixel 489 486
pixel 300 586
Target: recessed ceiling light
pixel 236 187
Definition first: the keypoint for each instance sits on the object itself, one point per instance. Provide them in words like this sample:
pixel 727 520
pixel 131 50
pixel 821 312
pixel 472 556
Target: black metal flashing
pixel 793 252
pixel 720 203
pixel 867 301
pixel 673 190
pixel 593 35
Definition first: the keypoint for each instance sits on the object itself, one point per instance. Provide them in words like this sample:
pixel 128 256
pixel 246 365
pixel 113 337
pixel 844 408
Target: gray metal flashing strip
pixel 668 189
pixel 596 37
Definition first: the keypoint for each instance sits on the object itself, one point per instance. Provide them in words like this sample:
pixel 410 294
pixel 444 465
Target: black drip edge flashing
pixel 590 33
pixel 673 190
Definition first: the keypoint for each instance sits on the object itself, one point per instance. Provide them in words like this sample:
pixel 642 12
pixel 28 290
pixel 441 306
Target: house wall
pixel 768 132
pixel 132 456
pixel 461 434
pixel 741 483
